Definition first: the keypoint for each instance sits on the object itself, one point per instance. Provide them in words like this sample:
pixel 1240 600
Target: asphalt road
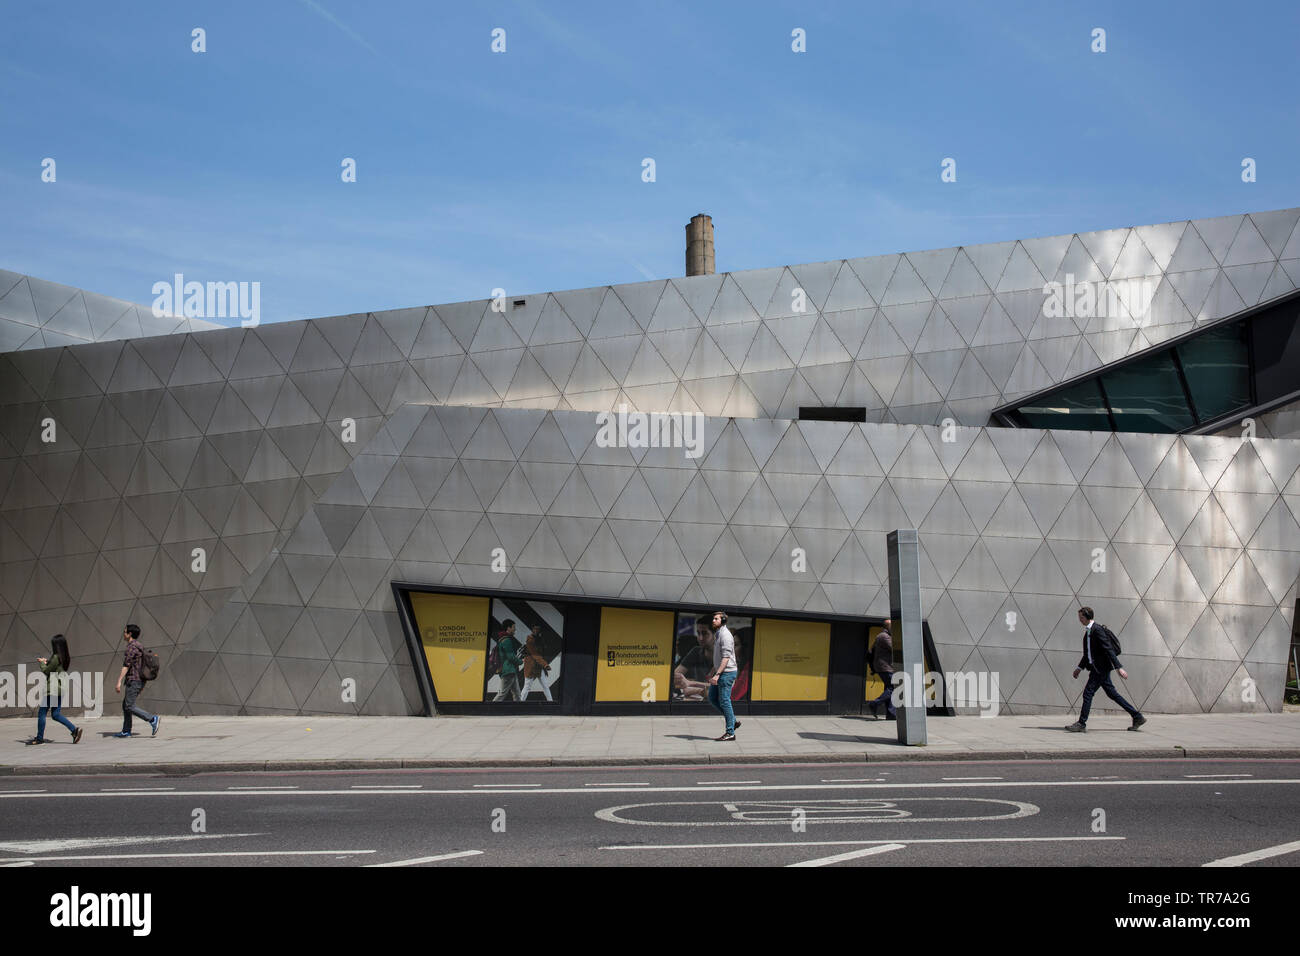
pixel 1022 813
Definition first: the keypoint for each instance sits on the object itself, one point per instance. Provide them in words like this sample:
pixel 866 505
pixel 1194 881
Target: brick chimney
pixel 699 246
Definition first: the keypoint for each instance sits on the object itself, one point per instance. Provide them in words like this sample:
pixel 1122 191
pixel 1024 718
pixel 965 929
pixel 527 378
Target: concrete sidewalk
pixel 194 744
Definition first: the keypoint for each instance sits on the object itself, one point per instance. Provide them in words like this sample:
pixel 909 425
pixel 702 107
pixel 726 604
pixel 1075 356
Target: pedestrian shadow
pixel 1091 730
pixel 688 737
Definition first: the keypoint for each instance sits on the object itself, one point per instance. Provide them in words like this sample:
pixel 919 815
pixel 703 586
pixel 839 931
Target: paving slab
pixel 192 744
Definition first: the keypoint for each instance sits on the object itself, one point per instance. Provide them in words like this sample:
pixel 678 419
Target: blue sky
pixel 522 170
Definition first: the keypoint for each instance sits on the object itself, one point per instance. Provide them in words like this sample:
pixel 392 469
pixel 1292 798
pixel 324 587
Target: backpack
pixel 1110 636
pixel 494 659
pixel 149 664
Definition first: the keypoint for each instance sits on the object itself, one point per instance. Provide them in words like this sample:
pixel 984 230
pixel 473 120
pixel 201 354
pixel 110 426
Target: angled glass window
pixel 1217 367
pixel 1079 407
pixel 1148 396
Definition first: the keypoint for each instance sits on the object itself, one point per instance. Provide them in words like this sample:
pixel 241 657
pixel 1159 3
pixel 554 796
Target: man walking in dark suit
pixel 882 664
pixel 1099 659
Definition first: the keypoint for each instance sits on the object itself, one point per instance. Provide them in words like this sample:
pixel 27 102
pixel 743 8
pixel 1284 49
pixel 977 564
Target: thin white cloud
pixel 313 5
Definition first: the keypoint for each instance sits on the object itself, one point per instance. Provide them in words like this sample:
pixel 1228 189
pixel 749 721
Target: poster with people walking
pixel 525 645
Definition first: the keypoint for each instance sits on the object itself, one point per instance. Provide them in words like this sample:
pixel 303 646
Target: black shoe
pixel 76 735
pixel 737 725
pixel 725 737
pixel 874 707
pixel 35 740
pixel 1077 728
pixel 1138 721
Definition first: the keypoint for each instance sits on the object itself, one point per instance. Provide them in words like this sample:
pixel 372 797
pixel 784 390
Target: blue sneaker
pixel 124 733
pixel 154 724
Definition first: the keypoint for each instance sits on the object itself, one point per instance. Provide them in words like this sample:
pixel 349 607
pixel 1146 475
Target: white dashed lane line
pixel 261 788
pixel 970 778
pixel 1215 776
pixel 498 786
pixel 618 784
pixel 387 786
pixel 136 789
pixel 725 783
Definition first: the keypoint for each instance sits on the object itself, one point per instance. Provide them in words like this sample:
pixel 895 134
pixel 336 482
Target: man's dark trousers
pixel 1101 680
pixel 887 698
pixel 129 706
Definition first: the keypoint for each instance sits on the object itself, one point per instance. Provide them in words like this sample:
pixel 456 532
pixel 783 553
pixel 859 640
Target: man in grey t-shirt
pixel 724 673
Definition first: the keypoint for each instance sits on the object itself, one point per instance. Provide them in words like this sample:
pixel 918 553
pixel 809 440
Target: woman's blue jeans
pixel 720 698
pixel 52 704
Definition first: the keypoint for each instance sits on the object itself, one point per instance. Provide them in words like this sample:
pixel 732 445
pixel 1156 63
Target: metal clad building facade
pixel 476 430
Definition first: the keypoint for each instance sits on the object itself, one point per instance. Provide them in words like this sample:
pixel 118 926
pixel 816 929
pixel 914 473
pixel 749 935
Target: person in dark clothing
pixel 882 663
pixel 133 674
pixel 52 667
pixel 1099 659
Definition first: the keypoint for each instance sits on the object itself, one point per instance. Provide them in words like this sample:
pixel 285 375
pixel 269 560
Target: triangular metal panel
pixel 1248 246
pixel 758 286
pixel 1134 260
pixel 582 306
pixel 1048 253
pixel 933 266
pixel 1019 272
pixel 848 292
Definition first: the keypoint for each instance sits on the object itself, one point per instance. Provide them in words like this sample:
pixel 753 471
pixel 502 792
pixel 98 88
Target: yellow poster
pixel 636 649
pixel 791 659
pixel 453 630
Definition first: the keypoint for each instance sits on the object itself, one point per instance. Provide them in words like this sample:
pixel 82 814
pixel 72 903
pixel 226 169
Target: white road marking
pixel 494 786
pixel 970 778
pixel 856 780
pixel 136 789
pixel 727 783
pixel 1209 776
pixel 262 788
pixel 490 788
pixel 21 791
pixel 430 859
pixel 902 840
pixel 619 784
pixel 779 813
pixel 86 843
pixel 1243 858
pixel 387 786
pixel 169 856
pixel 851 855
pixel 19 863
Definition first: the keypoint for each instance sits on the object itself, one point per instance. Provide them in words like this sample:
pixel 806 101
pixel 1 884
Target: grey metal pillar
pixel 909 645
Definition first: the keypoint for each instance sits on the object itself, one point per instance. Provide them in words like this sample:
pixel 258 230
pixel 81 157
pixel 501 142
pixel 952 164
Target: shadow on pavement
pixel 847 738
